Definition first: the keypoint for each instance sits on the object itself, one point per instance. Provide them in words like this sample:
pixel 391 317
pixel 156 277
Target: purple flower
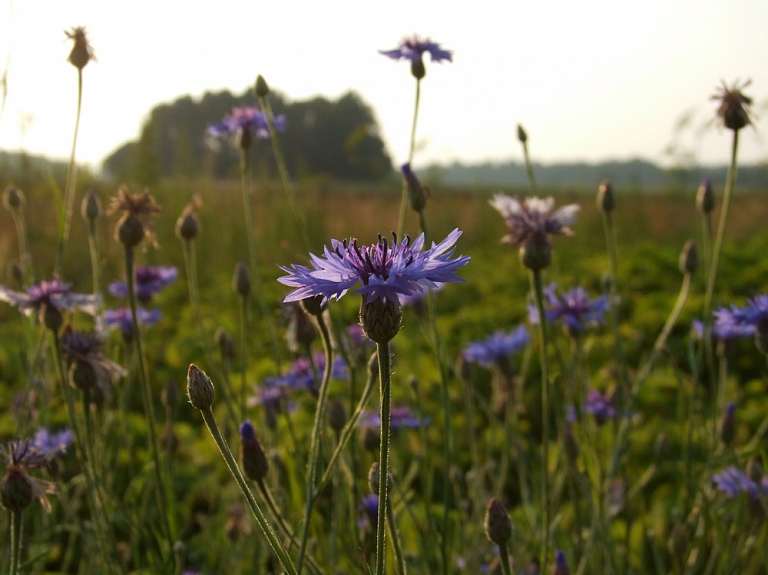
pixel 52 444
pixel 386 270
pixel 561 567
pixel 246 118
pixel 400 418
pixel 599 406
pixel 574 309
pixel 87 349
pixel 412 49
pixel 370 512
pixel 725 328
pixel 149 281
pixel 300 374
pixel 497 347
pixel 121 319
pixel 54 292
pixel 531 220
pixel 733 481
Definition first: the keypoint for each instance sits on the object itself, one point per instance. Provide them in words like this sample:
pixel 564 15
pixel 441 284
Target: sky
pixel 589 80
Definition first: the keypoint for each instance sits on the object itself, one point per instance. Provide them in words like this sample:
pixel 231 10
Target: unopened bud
pixel 560 567
pixel 226 344
pixel 705 197
pixel 255 463
pixel 130 230
pixel 261 88
pixel 187 226
pixel 51 317
pixel 689 258
pixel 16 273
pixel 522 136
pixel 380 319
pixel 242 280
pixel 605 198
pixel 371 439
pixel 536 254
pixel 418 70
pixel 90 209
pixel 416 193
pixel 13 198
pixel 337 416
pixel 374 476
pixel 16 491
pixel 498 527
pixel 311 305
pixel 169 396
pixel 82 375
pixel 199 388
pixel 754 470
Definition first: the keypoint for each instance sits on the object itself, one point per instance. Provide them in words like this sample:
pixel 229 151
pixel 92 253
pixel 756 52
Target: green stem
pixel 613 295
pixel 69 189
pixel 94 249
pixel 146 396
pixel 245 174
pixel 26 257
pixel 314 448
pixel 243 355
pixel 15 541
pixel 529 171
pixel 404 197
pixel 504 560
pixel 399 557
pixel 385 397
pixel 539 293
pixel 269 532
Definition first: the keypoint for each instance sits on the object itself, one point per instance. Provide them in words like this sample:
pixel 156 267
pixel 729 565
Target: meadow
pixel 522 428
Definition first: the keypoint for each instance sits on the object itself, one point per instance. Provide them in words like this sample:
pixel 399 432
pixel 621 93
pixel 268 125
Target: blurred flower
pixel 574 309
pixel 733 481
pixel 728 424
pixel 734 106
pixel 400 418
pixel 357 344
pixel 497 347
pixel 53 292
pixel 18 488
pixel 417 194
pixel 724 328
pixel 136 212
pixel 412 49
pixel 599 406
pixel 82 52
pixel 84 353
pixel 369 512
pixel 560 567
pixel 300 374
pixel 246 118
pixel 149 281
pixel 301 330
pixel 121 319
pixel 386 270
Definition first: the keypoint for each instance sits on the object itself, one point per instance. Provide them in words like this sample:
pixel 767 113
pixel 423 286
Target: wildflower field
pixel 217 377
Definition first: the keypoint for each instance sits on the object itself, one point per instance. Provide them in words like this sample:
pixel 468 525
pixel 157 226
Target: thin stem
pixel 26 257
pixel 15 541
pixel 539 293
pixel 269 532
pixel 399 557
pixel 314 448
pixel 243 355
pixel 94 249
pixel 504 560
pixel 69 189
pixel 529 171
pixel 385 397
pixel 245 174
pixel 146 396
pixel 404 197
pixel 613 298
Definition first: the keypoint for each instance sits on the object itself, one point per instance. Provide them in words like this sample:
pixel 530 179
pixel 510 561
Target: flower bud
pixel 416 193
pixel 82 375
pixel 498 527
pixel 605 198
pixel 255 463
pixel 728 424
pixel 90 209
pixel 242 280
pixel 754 470
pixel 337 416
pixel 705 197
pixel 560 567
pixel 261 88
pixel 689 258
pixel 226 344
pixel 380 319
pixel 200 389
pixel 374 473
pixel 13 198
pixel 418 70
pixel 536 254
pixel 522 136
pixel 187 226
pixel 130 230
pixel 51 317
pixel 17 273
pixel 16 491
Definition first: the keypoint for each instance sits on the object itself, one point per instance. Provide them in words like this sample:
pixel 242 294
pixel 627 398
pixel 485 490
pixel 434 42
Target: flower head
pixel 246 120
pixel 400 418
pixel 574 309
pixel 53 292
pixel 82 52
pixel 733 111
pixel 497 347
pixel 84 353
pixel 301 374
pixel 149 281
pixel 600 406
pixel 414 47
pixel 561 566
pixel 385 270
pixel 121 319
pixel 136 212
pixel 733 481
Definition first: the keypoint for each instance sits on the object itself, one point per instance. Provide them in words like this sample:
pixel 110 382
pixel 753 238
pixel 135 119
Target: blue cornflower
pixel 52 444
pixel 149 281
pixel 497 347
pixel 400 418
pixel 599 406
pixel 531 220
pixel 574 309
pixel 412 49
pixel 561 567
pixel 385 270
pixel 121 319
pixel 246 118
pixel 53 292
pixel 724 328
pixel 733 481
pixel 371 512
pixel 300 374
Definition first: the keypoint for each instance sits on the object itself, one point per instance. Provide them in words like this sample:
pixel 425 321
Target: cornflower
pixel 149 281
pixel 724 329
pixel 733 481
pixel 17 489
pixel 136 213
pixel 497 348
pixel 574 309
pixel 84 354
pixel 121 319
pixel 300 374
pixel 531 224
pixel 400 418
pixel 733 112
pixel 599 406
pixel 245 121
pixel 413 48
pixel 54 293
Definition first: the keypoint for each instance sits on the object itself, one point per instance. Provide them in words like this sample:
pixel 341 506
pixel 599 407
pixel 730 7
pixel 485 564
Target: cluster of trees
pixel 338 139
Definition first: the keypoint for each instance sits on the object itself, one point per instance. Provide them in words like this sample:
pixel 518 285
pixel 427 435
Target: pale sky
pixel 589 80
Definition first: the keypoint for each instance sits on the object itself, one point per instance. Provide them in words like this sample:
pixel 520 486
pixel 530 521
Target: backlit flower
pixel 412 49
pixel 384 270
pixel 121 319
pixel 733 112
pixel 301 375
pixel 82 52
pixel 733 481
pixel 53 292
pixel 149 281
pixel 400 418
pixel 497 347
pixel 574 309
pixel 246 118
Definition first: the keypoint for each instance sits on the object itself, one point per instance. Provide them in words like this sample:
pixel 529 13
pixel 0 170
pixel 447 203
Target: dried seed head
pixel 605 198
pixel 136 213
pixel 705 197
pixel 81 53
pixel 733 111
pixel 200 388
pixel 498 527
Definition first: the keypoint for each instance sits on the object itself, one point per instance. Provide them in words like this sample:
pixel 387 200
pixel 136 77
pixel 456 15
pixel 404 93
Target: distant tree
pixel 148 168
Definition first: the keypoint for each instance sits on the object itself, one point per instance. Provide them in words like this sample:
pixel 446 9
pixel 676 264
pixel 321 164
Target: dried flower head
pixel 136 212
pixel 733 111
pixel 82 52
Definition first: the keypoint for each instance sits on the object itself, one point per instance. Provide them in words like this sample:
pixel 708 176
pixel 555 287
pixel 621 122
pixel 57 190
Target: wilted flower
pixel 530 226
pixel 17 489
pixel 734 106
pixel 413 48
pixel 574 309
pixel 386 270
pixel 245 121
pixel 733 481
pixel 136 212
pixel 400 418
pixel 82 52
pixel 497 347
pixel 149 281
pixel 600 406
pixel 84 354
pixel 121 319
